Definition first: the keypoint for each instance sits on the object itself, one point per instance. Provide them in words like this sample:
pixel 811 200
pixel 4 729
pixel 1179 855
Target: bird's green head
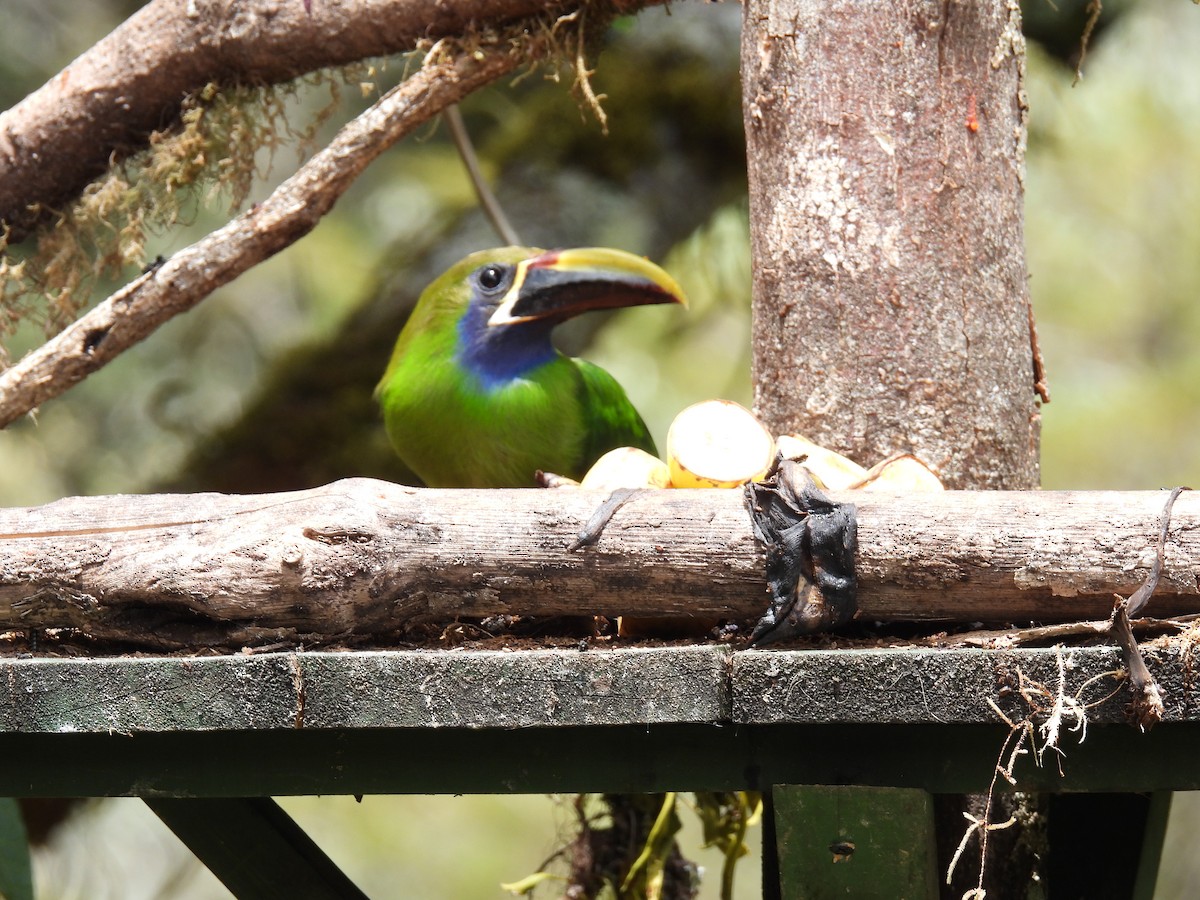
pixel 502 304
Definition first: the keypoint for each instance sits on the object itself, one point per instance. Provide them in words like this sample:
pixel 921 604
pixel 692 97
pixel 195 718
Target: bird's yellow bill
pixel 558 284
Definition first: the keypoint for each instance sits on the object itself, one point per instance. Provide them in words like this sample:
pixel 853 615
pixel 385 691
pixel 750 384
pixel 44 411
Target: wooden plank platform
pixel 496 689
pixel 695 717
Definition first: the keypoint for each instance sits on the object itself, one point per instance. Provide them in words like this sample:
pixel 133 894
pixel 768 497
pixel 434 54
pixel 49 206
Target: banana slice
pixel 901 474
pixel 718 444
pixel 626 467
pixel 832 470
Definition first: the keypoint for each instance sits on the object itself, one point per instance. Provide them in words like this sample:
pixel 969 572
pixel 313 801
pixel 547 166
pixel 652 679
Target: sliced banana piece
pixel 626 467
pixel 902 473
pixel 718 444
pixel 832 470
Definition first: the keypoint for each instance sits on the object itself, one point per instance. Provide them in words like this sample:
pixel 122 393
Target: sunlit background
pixel 266 385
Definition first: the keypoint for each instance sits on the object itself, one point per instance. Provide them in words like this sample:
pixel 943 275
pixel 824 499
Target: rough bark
pixel 115 94
pixel 886 145
pixel 369 557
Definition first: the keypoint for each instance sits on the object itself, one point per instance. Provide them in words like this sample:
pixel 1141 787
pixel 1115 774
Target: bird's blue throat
pixel 497 356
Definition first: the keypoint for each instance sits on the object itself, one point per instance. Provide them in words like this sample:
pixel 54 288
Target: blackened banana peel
pixel 810 545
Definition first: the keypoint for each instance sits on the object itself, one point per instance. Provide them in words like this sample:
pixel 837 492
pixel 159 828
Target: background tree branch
pixel 108 101
pixel 289 213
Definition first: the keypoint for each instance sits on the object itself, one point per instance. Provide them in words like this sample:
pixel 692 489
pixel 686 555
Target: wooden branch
pixel 290 212
pixel 367 557
pixel 114 95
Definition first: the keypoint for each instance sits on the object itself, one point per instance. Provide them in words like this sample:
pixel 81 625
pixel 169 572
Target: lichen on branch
pixel 224 139
pixel 212 150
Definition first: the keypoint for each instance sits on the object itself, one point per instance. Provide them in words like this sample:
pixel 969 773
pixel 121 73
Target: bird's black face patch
pixel 493 279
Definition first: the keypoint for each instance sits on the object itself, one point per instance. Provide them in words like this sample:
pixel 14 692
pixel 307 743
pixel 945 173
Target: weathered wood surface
pixel 947 687
pixel 555 689
pixel 691 718
pixel 388 689
pixel 367 557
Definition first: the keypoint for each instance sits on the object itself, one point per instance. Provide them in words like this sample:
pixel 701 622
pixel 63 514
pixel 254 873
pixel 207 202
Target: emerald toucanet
pixel 476 395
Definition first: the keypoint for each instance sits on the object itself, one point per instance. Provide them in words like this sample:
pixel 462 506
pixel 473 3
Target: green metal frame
pixel 255 848
pixel 851 744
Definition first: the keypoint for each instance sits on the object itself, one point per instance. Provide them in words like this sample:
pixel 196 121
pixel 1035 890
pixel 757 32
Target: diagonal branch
pixel 289 213
pixel 131 83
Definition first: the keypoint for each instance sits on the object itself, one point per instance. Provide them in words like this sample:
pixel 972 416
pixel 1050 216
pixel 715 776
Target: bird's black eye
pixel 491 277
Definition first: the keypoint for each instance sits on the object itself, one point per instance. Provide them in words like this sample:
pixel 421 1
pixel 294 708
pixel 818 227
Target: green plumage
pixel 468 402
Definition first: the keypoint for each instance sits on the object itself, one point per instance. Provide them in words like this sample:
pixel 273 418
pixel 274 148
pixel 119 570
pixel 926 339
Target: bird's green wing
pixel 609 418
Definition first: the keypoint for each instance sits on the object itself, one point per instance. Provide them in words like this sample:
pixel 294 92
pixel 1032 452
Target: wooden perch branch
pixel 109 99
pixel 367 557
pixel 290 212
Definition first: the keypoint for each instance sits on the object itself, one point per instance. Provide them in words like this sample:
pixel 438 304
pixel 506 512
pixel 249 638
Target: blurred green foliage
pixel 267 384
pixel 1111 233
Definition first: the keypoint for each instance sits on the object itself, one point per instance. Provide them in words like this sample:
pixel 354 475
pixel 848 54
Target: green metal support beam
pixel 255 848
pixel 870 843
pixel 1153 837
pixel 632 758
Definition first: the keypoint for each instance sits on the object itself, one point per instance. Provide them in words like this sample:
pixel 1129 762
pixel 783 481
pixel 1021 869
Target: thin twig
pixel 1146 708
pixel 487 200
pixel 982 824
pixel 583 76
pixel 590 533
pixel 111 97
pixel 1094 9
pixel 1137 601
pixel 1004 638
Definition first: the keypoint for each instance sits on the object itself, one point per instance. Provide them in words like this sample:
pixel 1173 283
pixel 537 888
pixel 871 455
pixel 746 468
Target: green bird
pixel 476 395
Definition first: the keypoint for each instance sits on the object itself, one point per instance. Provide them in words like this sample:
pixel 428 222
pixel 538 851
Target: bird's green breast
pixel 453 432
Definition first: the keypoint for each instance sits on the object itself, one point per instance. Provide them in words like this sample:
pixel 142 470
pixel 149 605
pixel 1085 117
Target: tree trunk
pixel 886 145
pixel 885 149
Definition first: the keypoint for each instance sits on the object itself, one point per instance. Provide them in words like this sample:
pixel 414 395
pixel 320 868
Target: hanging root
pixel 1049 713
